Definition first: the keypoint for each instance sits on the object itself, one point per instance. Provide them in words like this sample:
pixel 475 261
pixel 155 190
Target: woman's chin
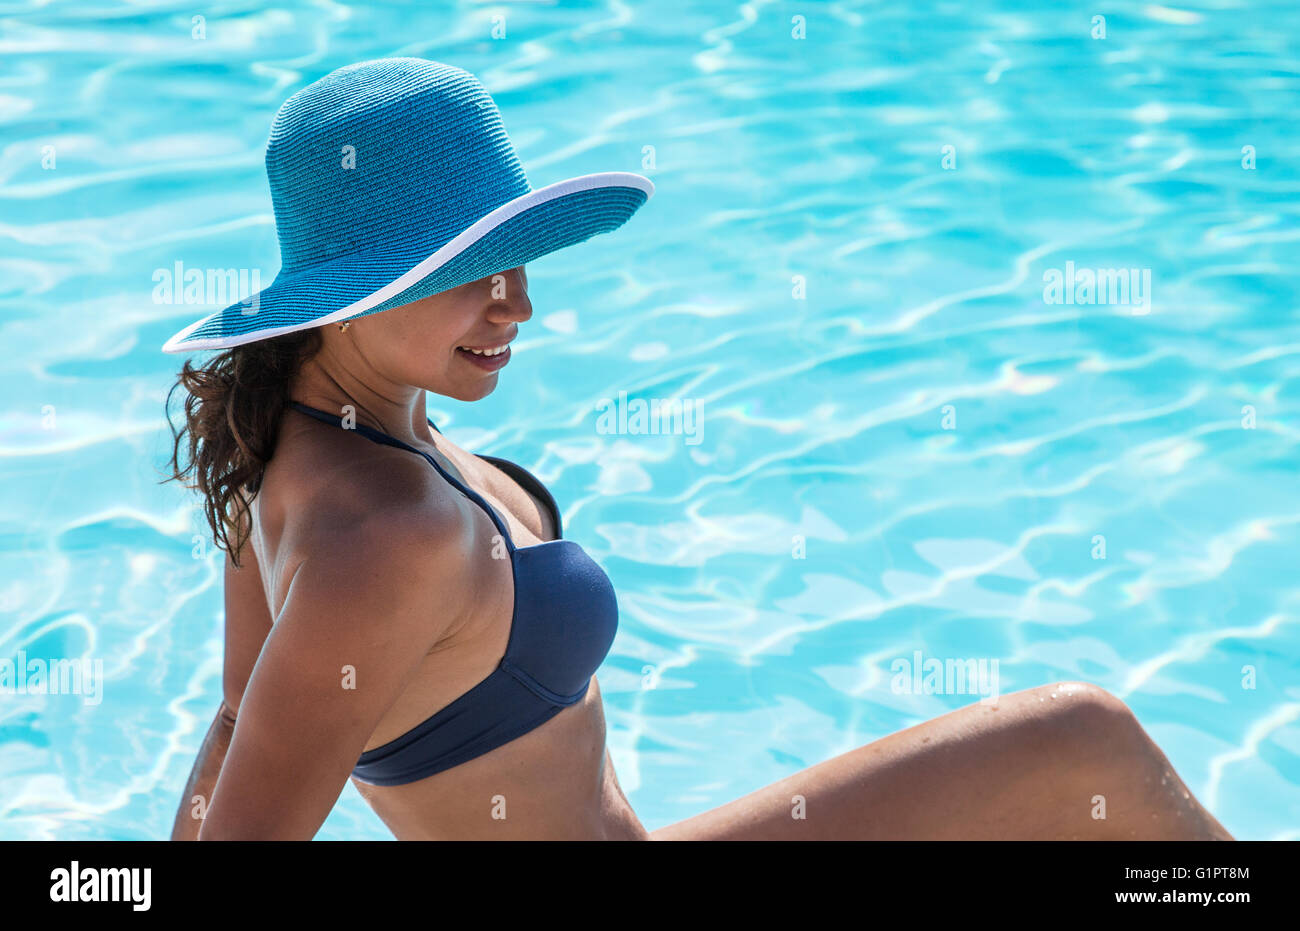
pixel 476 391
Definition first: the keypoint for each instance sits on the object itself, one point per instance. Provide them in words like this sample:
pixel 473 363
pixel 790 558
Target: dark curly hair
pixel 233 406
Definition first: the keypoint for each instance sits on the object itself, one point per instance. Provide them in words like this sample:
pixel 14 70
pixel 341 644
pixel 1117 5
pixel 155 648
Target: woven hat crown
pixel 377 144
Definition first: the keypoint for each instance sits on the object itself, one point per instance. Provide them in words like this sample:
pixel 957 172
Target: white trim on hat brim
pixel 455 247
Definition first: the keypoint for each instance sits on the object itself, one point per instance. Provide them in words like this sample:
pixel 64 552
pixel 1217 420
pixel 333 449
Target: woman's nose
pixel 509 292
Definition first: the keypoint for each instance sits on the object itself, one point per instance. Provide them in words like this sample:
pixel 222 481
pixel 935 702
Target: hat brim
pixel 517 232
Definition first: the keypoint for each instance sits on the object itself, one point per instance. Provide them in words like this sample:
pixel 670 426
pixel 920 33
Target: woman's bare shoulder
pixel 328 496
pixel 314 461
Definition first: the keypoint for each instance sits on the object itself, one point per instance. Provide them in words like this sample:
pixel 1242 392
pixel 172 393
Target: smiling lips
pixel 488 358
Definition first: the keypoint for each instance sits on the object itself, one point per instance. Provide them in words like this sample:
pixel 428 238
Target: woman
pixel 408 614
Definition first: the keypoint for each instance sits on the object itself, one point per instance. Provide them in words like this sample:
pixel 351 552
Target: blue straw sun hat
pixel 393 180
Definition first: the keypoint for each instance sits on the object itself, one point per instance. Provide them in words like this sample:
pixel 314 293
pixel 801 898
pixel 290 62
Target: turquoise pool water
pixel 910 441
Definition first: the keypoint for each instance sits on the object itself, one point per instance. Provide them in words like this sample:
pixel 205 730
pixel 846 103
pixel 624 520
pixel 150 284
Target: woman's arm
pixel 248 621
pixel 203 777
pixel 364 608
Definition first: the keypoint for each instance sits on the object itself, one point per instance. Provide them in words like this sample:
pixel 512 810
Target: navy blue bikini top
pixel 565 618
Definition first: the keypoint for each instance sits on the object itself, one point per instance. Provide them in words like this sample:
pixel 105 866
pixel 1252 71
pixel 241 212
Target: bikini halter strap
pixel 379 436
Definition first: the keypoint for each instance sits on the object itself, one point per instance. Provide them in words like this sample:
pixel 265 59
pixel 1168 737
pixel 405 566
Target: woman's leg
pixel 1059 762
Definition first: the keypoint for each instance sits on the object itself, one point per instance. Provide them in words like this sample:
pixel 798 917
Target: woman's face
pixel 431 343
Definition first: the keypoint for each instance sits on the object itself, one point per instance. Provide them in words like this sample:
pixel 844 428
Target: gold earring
pixel 344 325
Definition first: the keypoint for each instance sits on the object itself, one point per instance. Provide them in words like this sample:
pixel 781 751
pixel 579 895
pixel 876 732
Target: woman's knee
pixel 1080 722
pixel 1092 705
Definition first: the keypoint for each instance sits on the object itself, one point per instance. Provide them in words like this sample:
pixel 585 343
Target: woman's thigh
pixel 1060 761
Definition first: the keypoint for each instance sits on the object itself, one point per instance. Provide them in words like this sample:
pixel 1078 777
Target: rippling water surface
pixel 888 390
